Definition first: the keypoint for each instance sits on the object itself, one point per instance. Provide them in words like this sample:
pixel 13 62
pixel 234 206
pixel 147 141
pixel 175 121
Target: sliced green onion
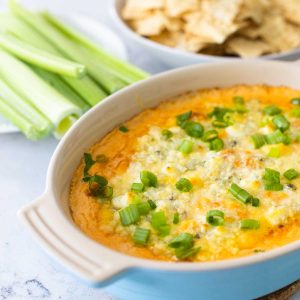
pixel 98 186
pixel 274 152
pixel 291 174
pixel 220 124
pixel 295 101
pixel 219 113
pixel 182 118
pixel 183 240
pixel 194 129
pixel 167 134
pixel 100 181
pixel 123 128
pixel 295 112
pixel 215 217
pixel 159 223
pixel 298 138
pixel 259 140
pixel 88 160
pixel 141 236
pixel 271 110
pixel 239 103
pixel 240 194
pixel 184 185
pixel 250 224
pixel 137 187
pixel 278 137
pixel 183 245
pixel 107 192
pixel 210 135
pixel 136 199
pixel 216 144
pixel 148 179
pixel 255 202
pixel 152 204
pixel 182 253
pixel 271 175
pixel 101 159
pixel 143 208
pixel 272 186
pixel 281 122
pixel 129 215
pixel 186 147
pixel 176 218
pixel 40 58
pixel 238 100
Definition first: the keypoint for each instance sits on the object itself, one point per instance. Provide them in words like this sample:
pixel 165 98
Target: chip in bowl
pixel 245 28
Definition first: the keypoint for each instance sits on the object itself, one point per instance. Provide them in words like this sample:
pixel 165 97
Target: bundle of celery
pixel 50 74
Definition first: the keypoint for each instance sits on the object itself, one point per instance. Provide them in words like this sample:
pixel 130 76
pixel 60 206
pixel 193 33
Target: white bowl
pixel 175 57
pixel 49 220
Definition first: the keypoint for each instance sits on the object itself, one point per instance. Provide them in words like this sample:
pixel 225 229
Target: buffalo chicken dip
pixel 209 175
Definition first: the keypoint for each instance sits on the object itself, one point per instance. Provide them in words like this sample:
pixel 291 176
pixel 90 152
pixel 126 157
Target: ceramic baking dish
pixel 127 277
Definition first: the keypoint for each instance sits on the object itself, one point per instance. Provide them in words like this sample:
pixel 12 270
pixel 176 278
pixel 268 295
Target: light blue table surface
pixel 26 272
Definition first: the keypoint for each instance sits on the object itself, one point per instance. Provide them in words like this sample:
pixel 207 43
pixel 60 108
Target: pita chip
pixel 176 8
pixel 247 48
pixel 136 9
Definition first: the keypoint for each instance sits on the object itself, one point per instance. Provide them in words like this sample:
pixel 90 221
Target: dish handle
pixel 45 224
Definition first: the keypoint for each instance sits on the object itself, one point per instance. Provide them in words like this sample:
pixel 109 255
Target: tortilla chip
pixel 217 50
pixel 253 10
pixel 166 38
pixel 176 8
pixel 291 10
pixel 248 28
pixel 280 35
pixel 136 9
pixel 179 40
pixel 190 42
pixel 247 48
pixel 251 31
pixel 174 24
pixel 215 21
pixel 153 24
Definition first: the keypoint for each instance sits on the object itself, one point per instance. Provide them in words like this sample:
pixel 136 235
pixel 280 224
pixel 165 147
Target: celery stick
pixel 126 71
pixel 62 87
pixel 64 126
pixel 30 86
pixel 70 49
pixel 41 58
pixel 20 121
pixel 22 106
pixel 18 28
pixel 85 87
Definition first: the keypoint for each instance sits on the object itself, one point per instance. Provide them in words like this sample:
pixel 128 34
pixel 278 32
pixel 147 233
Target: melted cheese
pixel 211 173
